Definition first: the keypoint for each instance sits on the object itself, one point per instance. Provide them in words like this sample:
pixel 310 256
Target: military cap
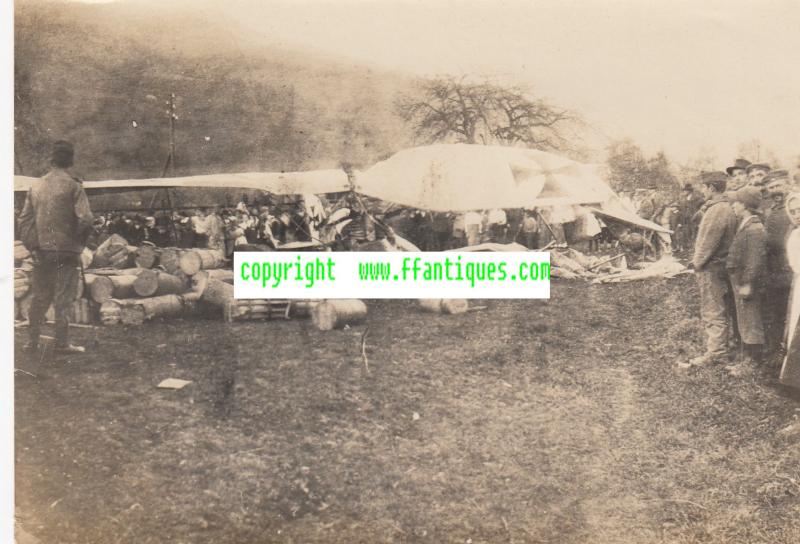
pixel 749 196
pixel 758 166
pixel 738 164
pixel 718 180
pixel 776 175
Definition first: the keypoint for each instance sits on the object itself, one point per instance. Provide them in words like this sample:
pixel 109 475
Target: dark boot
pixel 755 353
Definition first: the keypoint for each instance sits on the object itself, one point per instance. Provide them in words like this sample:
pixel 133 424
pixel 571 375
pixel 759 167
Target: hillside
pixel 100 75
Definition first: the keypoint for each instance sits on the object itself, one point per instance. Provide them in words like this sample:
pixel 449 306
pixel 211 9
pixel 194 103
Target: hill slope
pixel 100 75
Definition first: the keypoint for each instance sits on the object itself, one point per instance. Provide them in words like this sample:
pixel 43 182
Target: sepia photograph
pixel 403 271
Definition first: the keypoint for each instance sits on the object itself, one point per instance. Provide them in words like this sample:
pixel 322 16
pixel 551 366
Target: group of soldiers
pixel 740 262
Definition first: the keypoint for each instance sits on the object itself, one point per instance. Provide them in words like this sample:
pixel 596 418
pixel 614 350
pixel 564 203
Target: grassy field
pixel 563 421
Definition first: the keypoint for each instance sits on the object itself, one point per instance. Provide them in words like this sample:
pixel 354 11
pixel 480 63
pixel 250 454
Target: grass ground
pixel 558 421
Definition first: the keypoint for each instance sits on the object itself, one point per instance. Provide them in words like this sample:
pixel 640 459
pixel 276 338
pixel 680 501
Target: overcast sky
pixel 672 75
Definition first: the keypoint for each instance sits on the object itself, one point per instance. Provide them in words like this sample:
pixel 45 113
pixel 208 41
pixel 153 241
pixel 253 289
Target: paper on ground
pixel 173 383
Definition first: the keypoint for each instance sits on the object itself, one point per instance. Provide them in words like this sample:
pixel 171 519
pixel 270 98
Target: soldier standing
pixel 716 232
pixel 689 204
pixel 745 264
pixel 756 173
pixel 54 226
pixel 778 226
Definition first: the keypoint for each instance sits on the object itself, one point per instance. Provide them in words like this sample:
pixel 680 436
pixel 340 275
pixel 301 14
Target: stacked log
pixel 335 314
pixel 146 256
pixel 444 305
pixel 257 309
pixel 212 291
pixel 151 283
pixel 20 253
pixel 137 311
pixel 108 287
pixel 220 274
pixel 169 259
pixel 114 253
pixel 194 260
pixel 22 283
pixel 111 312
pixel 113 271
pixel 302 308
pixel 166 282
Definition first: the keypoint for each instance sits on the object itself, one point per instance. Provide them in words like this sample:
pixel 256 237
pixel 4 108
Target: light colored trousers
pixel 713 283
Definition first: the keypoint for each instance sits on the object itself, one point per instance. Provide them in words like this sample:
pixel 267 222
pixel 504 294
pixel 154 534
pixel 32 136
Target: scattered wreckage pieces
pixel 666 267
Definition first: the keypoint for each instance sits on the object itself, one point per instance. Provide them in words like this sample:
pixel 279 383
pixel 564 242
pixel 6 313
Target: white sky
pixel 673 75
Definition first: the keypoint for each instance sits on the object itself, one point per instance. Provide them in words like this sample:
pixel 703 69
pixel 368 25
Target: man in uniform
pixel 756 174
pixel 54 226
pixel 714 237
pixel 737 174
pixel 778 226
pixel 688 205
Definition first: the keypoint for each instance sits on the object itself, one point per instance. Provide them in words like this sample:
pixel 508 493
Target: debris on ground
pixel 173 383
pixel 570 263
pixel 666 267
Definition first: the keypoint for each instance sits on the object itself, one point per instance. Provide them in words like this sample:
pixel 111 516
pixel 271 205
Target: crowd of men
pixel 740 262
pixel 442 231
pixel 216 228
pixel 740 227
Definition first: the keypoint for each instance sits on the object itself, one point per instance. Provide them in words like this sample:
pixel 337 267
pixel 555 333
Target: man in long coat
pixel 778 225
pixel 745 264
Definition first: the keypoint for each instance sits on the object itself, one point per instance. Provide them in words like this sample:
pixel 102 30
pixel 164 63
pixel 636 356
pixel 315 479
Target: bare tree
pixel 449 109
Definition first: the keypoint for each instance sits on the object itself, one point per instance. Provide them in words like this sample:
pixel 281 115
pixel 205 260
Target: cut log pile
pixel 122 284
